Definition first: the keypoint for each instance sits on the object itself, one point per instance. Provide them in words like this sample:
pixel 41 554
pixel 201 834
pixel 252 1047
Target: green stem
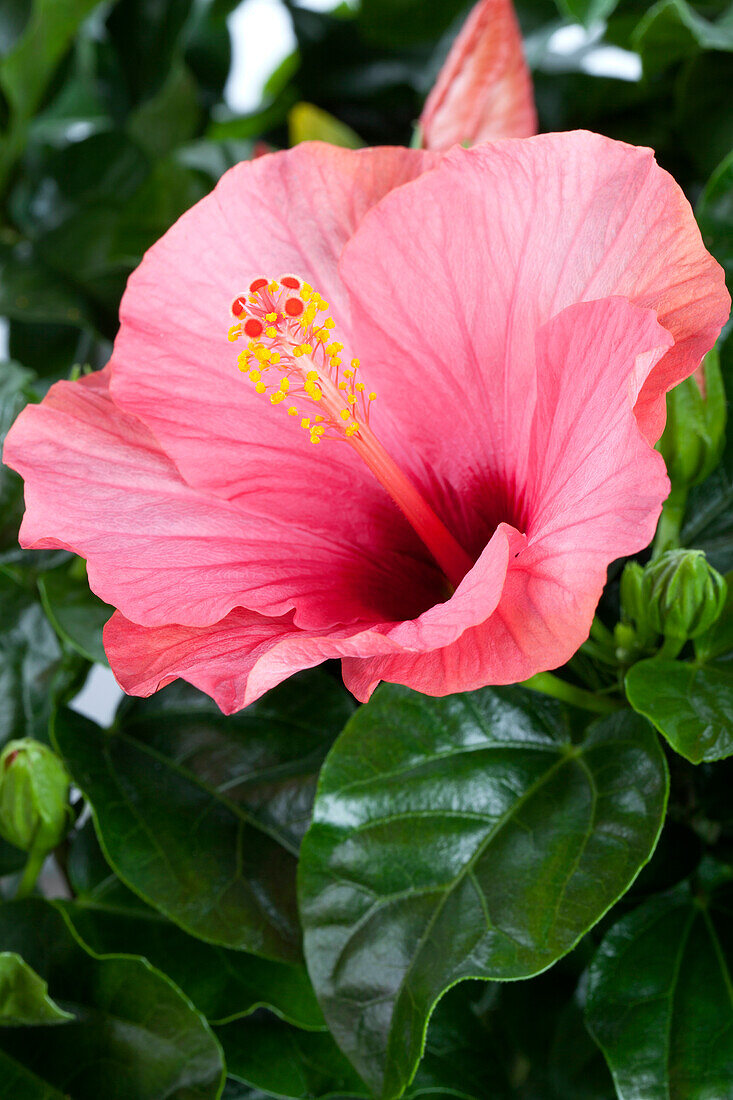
pixel 601 634
pixel 36 859
pixel 670 647
pixel 548 684
pixel 670 521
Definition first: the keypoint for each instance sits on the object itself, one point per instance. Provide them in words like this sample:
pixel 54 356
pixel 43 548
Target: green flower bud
pixel 34 796
pixel 694 437
pixel 685 595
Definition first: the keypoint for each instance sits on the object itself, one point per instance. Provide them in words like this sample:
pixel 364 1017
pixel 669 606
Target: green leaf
pixel 26 70
pixel 403 22
pixel 458 1061
pixel 690 706
pixel 714 212
pixel 224 985
pixel 170 118
pixel 587 12
pixel 463 837
pixel 15 392
pixel 35 673
pixel 202 815
pixel 134 1036
pixel 30 291
pixel 309 123
pixel 76 614
pixel 660 998
pixel 672 30
pixel 24 999
pixel 11 859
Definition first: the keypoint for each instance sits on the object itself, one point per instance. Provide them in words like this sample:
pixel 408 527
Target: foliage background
pixel 112 123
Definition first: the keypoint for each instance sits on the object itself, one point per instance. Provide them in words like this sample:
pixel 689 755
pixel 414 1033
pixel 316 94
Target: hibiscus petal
pixel 452 275
pixel 238 659
pixel 484 90
pixel 593 493
pixel 173 365
pixel 98 483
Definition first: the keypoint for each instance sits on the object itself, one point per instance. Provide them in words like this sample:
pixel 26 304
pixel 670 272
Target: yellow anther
pixel 323 335
pixel 312 376
pixel 334 348
pixel 345 414
pixel 316 395
pixel 306 292
pixel 322 304
pixel 271 331
pixel 351 399
pixel 272 287
pixel 329 322
pixel 255 375
pixel 234 333
pixel 243 366
pixel 319 418
pixel 355 363
pixel 315 439
pixel 292 411
pixel 274 357
pixel 271 317
pixel 307 349
pixel 352 429
pixel 260 387
pixel 305 422
pixel 342 385
pixel 359 386
pixel 372 396
pixel 348 374
pixel 276 398
pixel 318 430
pixel 335 362
pixel 285 384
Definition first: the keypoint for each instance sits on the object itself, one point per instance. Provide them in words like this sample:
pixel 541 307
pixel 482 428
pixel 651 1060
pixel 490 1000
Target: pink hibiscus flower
pixel 484 90
pixel 519 309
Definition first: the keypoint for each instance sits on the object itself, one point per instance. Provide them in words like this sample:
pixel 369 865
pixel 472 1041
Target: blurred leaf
pixel 26 70
pixel 30 291
pixel 714 212
pixel 147 57
pixel 171 117
pixel 223 985
pixel 577 1068
pixel 76 614
pixel 587 12
pixel 691 706
pixel 704 119
pixel 202 815
pixel 525 840
pixel 659 1001
pixel 11 859
pixel 34 671
pixel 134 1036
pixel 309 123
pixel 403 22
pixel 672 30
pixel 15 392
pixel 24 999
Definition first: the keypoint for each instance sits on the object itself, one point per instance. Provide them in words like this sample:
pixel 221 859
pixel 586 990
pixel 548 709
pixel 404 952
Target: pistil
pixel 291 356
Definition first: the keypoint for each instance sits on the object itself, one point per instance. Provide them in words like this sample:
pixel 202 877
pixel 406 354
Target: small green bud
pixel 34 796
pixel 633 599
pixel 685 595
pixel 694 437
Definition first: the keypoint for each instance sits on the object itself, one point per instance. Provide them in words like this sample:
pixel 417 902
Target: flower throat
pixel 292 357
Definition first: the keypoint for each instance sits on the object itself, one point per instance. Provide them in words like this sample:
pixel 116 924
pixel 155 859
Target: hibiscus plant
pixel 374 441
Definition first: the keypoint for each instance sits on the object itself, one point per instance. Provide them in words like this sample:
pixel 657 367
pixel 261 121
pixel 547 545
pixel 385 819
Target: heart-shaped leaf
pixel 133 1036
pixel 202 815
pixel 691 706
pixel 660 998
pixel 463 837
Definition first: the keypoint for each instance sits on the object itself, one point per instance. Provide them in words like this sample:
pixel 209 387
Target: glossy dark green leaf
pixel 171 117
pixel 146 58
pixel 672 30
pixel 458 1059
pixel 202 815
pixel 691 706
pixel 660 999
pixel 77 615
pixel 29 290
pixel 34 670
pixel 222 984
pixel 24 999
pixel 133 1036
pixel 463 837
pixel 577 1069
